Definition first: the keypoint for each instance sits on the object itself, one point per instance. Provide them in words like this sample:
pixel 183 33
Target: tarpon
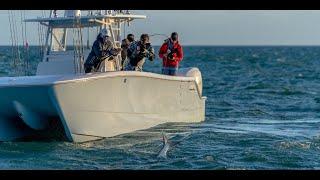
pixel 165 147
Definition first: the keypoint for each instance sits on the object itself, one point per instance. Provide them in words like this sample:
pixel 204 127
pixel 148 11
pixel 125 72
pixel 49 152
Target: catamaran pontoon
pixel 62 98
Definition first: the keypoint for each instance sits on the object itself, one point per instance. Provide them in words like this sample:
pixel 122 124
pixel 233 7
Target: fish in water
pixel 165 147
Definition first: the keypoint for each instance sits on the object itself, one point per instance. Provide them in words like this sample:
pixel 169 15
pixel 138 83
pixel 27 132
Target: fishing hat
pixel 104 33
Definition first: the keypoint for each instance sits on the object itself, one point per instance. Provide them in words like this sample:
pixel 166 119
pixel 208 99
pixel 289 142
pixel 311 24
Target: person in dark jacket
pixel 138 52
pixel 171 52
pixel 102 49
pixel 125 46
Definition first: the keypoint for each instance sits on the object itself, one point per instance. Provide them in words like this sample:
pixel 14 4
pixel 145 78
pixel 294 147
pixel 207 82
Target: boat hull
pixel 103 105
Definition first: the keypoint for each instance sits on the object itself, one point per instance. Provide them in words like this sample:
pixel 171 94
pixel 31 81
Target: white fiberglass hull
pixel 97 106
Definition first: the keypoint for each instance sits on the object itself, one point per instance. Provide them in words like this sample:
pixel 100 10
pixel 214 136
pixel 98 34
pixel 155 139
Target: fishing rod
pixel 159 35
pixel 163 35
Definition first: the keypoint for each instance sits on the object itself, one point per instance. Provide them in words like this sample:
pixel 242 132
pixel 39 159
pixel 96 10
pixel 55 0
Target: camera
pixel 171 53
pixel 144 47
pixel 143 50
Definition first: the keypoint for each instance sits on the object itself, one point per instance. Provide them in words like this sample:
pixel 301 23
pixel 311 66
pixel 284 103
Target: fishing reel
pixel 115 52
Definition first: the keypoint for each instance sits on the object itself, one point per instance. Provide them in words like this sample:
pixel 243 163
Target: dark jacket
pixel 100 50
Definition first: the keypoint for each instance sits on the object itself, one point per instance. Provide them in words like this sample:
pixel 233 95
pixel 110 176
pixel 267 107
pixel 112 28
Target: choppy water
pixel 262 112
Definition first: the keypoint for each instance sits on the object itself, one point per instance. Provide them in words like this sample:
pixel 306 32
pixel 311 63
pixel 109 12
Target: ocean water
pixel 262 112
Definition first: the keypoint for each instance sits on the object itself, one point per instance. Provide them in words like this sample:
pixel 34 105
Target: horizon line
pixel 210 45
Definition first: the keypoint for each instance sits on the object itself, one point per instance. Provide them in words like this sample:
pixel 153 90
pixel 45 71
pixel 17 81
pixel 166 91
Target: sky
pixel 209 27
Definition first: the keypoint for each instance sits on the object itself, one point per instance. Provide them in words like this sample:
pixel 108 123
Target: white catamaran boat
pixel 62 101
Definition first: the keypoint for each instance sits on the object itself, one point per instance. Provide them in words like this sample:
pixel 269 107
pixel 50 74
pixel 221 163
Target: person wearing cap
pixel 138 52
pixel 125 46
pixel 102 49
pixel 172 54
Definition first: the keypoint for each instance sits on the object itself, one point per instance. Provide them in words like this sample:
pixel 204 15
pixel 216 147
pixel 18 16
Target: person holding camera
pixel 102 49
pixel 138 52
pixel 171 53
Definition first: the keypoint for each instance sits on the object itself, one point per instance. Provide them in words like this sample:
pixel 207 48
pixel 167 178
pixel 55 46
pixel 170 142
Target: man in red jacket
pixel 171 53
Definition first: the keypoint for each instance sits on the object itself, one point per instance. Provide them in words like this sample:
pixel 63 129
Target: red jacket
pixel 177 57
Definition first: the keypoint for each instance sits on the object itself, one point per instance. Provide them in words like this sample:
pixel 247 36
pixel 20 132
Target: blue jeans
pixel 172 71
